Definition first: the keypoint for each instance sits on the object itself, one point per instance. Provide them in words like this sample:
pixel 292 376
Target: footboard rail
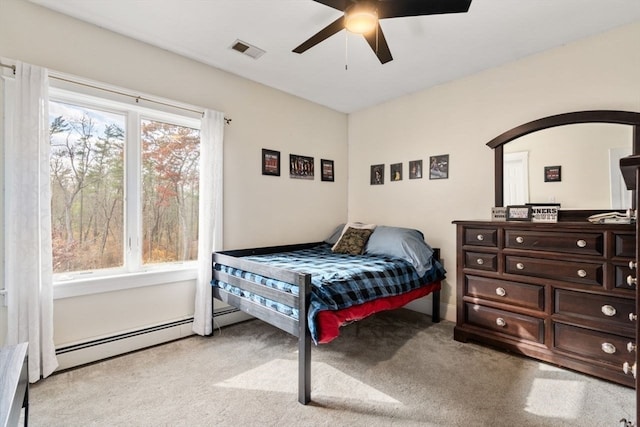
pixel 297 327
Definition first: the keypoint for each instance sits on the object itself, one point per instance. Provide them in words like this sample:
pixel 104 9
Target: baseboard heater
pixel 90 351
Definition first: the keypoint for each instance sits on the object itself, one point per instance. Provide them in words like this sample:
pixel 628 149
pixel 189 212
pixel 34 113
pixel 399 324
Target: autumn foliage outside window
pixel 170 159
pixel 91 200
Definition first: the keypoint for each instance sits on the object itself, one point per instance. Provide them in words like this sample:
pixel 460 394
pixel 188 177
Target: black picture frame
pixel 301 167
pixel 439 167
pixel 326 170
pixel 270 162
pixel 518 213
pixel 395 172
pixel 552 173
pixel 377 174
pixel 415 169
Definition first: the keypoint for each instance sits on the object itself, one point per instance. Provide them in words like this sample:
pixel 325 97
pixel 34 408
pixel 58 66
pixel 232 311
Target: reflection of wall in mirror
pixel 586 153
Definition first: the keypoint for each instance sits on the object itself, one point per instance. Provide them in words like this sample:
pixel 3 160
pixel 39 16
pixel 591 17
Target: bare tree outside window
pixel 87 178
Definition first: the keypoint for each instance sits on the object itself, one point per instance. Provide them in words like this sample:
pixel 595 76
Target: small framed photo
pixel 326 166
pixel 552 173
pixel 377 174
pixel 519 213
pixel 396 172
pixel 270 162
pixel 300 167
pixel 439 167
pixel 415 169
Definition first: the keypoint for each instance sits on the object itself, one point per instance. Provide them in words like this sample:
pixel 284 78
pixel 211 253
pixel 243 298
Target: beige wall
pixel 258 210
pixel 460 117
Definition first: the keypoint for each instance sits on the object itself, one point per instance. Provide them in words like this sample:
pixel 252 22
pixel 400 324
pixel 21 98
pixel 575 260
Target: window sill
pixel 96 285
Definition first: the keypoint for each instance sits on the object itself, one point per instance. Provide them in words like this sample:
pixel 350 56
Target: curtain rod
pixel 13 67
pixel 138 98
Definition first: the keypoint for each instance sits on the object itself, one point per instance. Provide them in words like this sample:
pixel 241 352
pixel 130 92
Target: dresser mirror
pixel 571 159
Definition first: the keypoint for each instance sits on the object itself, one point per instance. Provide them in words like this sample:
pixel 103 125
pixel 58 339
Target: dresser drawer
pixel 625 245
pixel 621 274
pixel 517 325
pixel 480 261
pixel 520 294
pixel 603 347
pixel 575 243
pixel 603 308
pixel 576 272
pixel 481 237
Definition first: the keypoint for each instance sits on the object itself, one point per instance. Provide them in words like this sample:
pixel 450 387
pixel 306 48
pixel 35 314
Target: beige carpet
pixel 395 369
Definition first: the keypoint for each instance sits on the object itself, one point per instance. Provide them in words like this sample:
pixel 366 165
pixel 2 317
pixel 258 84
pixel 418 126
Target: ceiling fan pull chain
pixel 346 50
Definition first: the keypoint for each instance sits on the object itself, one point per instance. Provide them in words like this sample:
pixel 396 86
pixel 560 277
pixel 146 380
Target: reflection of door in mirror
pixel 620 196
pixel 585 152
pixel 516 178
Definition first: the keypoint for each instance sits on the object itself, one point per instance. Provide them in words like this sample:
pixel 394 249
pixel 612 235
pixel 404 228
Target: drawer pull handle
pixel 581 243
pixel 520 239
pixel 632 265
pixel 500 292
pixel 520 266
pixel 608 348
pixel 480 261
pixel 480 237
pixel 582 273
pixel 631 281
pixel 608 310
pixel 631 347
pixel 501 322
pixel 629 369
pixel 633 317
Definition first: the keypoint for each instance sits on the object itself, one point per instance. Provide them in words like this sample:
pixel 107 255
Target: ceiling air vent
pixel 247 49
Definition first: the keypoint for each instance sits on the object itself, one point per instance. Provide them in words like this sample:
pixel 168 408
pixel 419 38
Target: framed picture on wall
pixel 300 167
pixel 377 174
pixel 396 172
pixel 326 166
pixel 552 173
pixel 270 162
pixel 439 167
pixel 415 169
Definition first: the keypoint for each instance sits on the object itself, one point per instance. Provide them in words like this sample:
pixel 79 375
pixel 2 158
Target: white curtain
pixel 210 226
pixel 28 259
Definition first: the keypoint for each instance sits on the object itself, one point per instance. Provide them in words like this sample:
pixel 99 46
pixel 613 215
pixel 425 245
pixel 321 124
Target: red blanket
pixel 329 322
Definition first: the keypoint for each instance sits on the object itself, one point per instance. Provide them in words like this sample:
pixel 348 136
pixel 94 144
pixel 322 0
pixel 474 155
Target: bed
pixel 311 290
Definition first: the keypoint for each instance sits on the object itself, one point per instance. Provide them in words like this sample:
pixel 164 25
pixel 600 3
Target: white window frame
pixel 133 273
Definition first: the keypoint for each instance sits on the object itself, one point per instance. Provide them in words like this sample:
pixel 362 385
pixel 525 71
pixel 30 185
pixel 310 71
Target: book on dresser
pixel 558 292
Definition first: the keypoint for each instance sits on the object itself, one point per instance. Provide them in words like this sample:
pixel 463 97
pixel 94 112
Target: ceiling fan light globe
pixel 360 20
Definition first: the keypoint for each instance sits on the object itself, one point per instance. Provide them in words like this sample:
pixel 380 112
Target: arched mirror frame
pixel 594 116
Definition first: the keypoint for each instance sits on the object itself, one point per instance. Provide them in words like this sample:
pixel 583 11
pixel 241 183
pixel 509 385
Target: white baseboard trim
pixel 82 353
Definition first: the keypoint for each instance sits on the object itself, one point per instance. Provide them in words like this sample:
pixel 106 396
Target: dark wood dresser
pixel 557 292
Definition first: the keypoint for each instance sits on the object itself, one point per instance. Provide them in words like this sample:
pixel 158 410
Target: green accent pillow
pixel 353 241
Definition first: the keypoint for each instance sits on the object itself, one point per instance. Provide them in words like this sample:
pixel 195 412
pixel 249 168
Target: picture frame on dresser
pixel 518 213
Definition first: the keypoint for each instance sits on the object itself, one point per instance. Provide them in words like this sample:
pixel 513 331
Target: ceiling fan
pixel 362 17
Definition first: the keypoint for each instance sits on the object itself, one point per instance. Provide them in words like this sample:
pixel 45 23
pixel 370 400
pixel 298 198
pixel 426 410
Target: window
pixel 124 187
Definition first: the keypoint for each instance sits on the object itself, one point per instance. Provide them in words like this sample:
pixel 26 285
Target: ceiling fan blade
pixel 336 4
pixel 321 35
pixel 401 8
pixel 379 45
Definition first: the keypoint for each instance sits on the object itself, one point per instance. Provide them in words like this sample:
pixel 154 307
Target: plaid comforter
pixel 339 280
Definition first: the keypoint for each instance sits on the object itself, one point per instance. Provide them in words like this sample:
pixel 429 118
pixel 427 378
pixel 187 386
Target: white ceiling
pixel 427 50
